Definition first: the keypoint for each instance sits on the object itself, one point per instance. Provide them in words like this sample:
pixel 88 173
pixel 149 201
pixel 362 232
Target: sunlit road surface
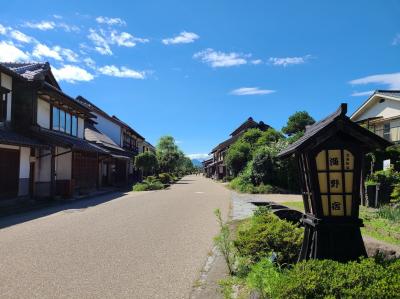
pixel 134 245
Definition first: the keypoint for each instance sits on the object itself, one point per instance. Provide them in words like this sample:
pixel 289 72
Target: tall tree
pixel 168 154
pixel 146 162
pixel 297 123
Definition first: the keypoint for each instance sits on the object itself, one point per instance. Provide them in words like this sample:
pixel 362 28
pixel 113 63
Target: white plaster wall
pixel 43 167
pixel 109 128
pixel 43 114
pixel 81 127
pixel 6 81
pixel 24 163
pixel 63 164
pixel 389 108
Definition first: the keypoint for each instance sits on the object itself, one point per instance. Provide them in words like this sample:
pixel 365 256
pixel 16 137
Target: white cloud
pixel 101 44
pixel 72 73
pixel 125 39
pixel 103 39
pixel 50 25
pixel 21 37
pixel 42 25
pixel 69 28
pixel 220 59
pixel 396 40
pixel 10 53
pixel 285 61
pixel 56 52
pixel 362 93
pixel 42 50
pixel 244 91
pixel 90 62
pixel 57 17
pixel 392 81
pixel 69 54
pixel 123 72
pixel 110 21
pixel 199 156
pixel 256 61
pixel 183 38
pixel 3 30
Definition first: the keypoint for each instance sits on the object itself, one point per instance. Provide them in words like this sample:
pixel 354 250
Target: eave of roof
pixel 51 90
pixel 64 140
pixel 11 137
pixel 226 143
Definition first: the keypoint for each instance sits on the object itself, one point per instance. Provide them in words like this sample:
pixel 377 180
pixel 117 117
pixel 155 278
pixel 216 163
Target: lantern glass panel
pixel 321 160
pixel 335 169
pixel 337 208
pixel 335 160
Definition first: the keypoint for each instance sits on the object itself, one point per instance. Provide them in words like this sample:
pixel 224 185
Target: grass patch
pixel 297 205
pixel 379 227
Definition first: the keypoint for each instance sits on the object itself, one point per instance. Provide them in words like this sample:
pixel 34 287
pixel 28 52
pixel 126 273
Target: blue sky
pixel 197 69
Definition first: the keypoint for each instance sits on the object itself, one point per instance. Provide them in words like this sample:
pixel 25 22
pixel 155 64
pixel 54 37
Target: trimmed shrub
pixel 165 178
pixel 322 279
pixel 150 183
pixel 368 278
pixel 265 234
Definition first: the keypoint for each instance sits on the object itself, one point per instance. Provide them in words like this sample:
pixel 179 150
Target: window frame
pixel 61 124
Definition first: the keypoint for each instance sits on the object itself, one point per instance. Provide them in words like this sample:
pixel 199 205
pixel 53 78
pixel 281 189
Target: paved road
pixel 138 245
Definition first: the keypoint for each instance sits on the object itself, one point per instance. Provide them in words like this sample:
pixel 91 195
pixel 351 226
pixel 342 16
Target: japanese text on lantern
pixel 335 169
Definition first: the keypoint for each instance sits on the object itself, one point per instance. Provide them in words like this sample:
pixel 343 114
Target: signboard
pixel 335 177
pixel 386 164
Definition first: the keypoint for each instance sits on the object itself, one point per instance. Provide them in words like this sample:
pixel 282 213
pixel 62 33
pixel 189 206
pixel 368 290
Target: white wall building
pixel 381 114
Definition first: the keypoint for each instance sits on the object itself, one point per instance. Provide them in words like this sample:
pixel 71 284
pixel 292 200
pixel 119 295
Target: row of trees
pixel 168 159
pixel 252 159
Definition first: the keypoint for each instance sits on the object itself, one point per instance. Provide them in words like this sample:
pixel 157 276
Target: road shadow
pixel 58 206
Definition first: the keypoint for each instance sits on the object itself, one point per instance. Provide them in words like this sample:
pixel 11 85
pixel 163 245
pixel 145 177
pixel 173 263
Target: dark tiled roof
pixel 319 128
pixel 226 143
pixel 9 136
pixel 249 124
pixel 32 70
pixel 64 140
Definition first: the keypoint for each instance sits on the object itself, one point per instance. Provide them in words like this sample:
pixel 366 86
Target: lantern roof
pixel 332 124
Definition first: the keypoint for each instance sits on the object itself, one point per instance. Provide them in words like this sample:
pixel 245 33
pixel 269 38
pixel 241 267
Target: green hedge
pixel 327 279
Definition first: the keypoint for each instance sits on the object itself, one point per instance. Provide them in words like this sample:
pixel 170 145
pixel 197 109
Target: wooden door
pixel 9 173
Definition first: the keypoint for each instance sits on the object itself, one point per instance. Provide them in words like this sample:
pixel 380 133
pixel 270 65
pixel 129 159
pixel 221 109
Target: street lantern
pixel 330 157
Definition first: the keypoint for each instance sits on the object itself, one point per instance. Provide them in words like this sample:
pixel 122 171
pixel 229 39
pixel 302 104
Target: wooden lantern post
pixel 330 157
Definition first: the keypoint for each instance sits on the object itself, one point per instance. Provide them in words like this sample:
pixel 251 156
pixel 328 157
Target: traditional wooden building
pixel 118 139
pixel 67 164
pixel 17 149
pixel 217 168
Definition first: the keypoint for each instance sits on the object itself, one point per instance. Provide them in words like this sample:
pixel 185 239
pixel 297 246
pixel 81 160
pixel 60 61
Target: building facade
pixel 17 149
pixel 64 164
pixel 216 168
pixel 380 113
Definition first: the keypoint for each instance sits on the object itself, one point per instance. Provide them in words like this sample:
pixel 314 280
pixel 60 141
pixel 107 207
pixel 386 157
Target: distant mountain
pixel 197 162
